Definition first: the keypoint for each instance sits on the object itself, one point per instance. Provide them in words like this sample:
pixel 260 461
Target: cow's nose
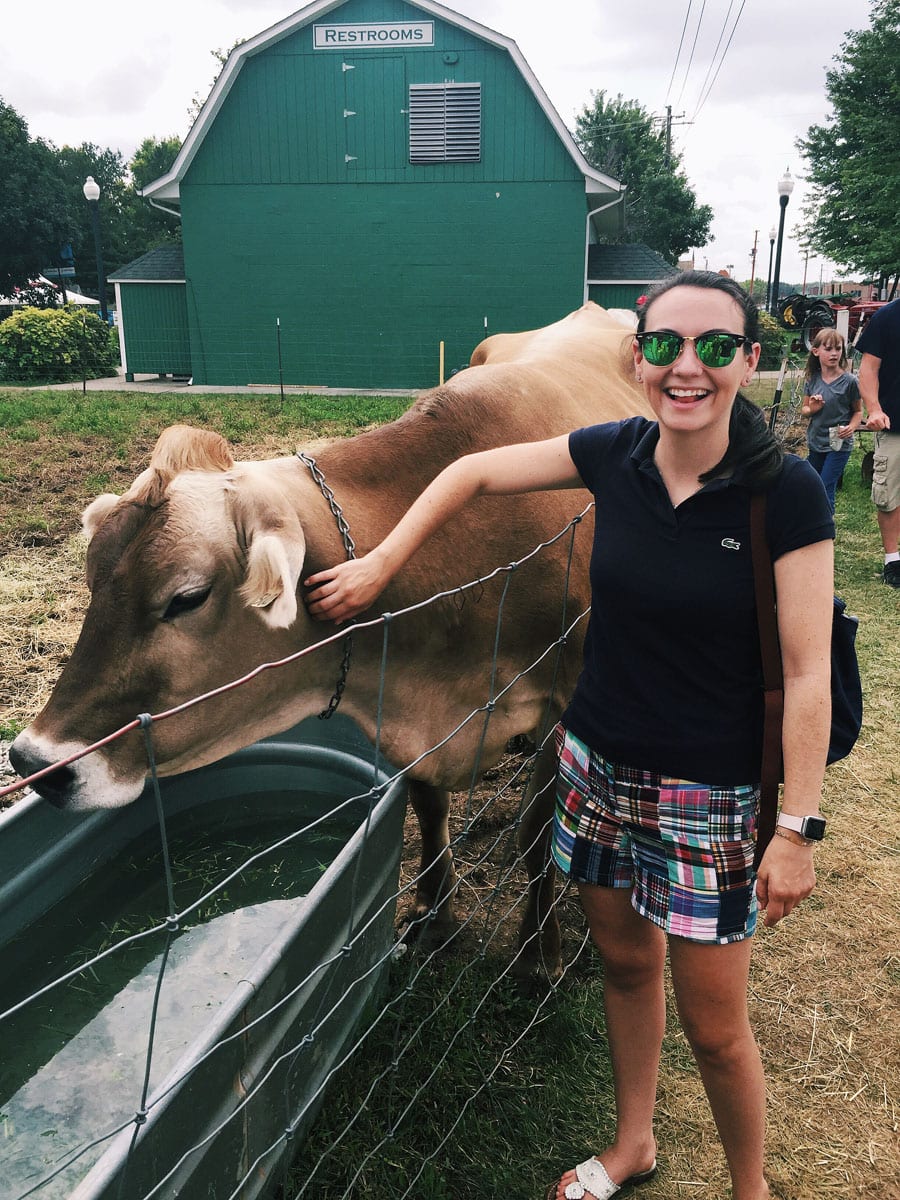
pixel 53 787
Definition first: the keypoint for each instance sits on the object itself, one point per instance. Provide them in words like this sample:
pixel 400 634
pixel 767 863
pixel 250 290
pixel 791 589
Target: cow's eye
pixel 185 602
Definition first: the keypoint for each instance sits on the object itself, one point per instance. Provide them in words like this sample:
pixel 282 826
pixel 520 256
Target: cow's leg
pixel 539 938
pixel 437 876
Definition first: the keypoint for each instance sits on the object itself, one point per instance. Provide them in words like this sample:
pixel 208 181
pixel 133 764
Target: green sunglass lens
pixel 716 350
pixel 713 349
pixel 660 349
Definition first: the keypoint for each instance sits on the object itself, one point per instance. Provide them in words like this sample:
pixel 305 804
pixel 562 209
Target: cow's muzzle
pixel 85 784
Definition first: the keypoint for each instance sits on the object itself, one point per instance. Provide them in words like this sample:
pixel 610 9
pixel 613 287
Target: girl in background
pixel 833 405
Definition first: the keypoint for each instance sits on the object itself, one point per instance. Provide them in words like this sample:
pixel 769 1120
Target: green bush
pixel 771 338
pixel 54 344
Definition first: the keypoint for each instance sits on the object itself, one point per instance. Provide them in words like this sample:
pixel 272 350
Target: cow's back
pixel 583 362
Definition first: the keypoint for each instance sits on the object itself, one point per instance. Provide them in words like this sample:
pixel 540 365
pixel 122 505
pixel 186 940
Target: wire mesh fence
pixel 153 1109
pixel 270 351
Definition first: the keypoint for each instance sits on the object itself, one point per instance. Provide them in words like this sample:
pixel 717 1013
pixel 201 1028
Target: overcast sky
pixel 116 73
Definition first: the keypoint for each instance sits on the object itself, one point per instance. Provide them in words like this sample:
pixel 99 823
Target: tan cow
pixel 194 577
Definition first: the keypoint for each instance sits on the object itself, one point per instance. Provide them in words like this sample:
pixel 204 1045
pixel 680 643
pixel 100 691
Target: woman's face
pixel 687 396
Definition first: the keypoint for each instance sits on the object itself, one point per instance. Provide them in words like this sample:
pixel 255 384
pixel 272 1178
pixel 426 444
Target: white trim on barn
pixel 137 280
pixel 120 327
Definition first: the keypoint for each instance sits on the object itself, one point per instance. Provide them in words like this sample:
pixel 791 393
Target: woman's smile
pixel 686 396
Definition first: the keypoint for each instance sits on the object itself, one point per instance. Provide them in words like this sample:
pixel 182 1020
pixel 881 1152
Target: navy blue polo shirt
pixel 672 678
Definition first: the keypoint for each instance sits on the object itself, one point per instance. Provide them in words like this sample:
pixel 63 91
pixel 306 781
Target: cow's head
pixel 193 575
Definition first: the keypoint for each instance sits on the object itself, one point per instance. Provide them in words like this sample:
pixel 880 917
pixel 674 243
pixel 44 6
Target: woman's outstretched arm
pixel 341 592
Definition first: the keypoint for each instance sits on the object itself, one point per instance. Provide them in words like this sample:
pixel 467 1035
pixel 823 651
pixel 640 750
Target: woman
pixel 670 695
pixel 834 407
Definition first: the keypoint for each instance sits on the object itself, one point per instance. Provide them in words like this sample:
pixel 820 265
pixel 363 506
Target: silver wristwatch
pixel 812 828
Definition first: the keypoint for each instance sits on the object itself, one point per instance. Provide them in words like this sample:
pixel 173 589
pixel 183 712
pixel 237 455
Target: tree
pixel 153 158
pixel 200 98
pixel 854 160
pixel 74 164
pixel 34 206
pixel 129 227
pixel 618 137
pixel 150 227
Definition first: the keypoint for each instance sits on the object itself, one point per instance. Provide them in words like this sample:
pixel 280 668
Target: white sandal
pixel 594 1182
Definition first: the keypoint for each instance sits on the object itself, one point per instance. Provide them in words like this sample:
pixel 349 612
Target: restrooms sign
pixel 376 35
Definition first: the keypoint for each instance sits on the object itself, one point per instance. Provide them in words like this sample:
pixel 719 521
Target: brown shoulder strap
pixel 773 680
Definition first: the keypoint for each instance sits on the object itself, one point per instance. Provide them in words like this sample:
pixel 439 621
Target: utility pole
pixel 753 260
pixel 678 119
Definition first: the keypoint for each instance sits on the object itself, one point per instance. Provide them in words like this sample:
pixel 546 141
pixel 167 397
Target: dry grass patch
pixel 42 602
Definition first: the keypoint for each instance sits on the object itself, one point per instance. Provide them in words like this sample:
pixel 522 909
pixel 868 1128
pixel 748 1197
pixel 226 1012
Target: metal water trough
pixel 334 941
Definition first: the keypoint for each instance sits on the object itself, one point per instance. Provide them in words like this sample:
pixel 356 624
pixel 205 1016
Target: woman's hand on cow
pixel 347 589
pixel 786 876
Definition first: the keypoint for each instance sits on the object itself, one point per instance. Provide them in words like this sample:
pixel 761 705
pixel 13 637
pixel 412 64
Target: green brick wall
pixel 617 295
pixel 154 319
pixel 367 280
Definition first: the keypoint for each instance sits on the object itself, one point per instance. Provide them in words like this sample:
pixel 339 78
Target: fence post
pixel 280 365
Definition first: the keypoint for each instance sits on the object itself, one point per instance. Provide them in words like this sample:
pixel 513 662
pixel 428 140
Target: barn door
pixel 375 120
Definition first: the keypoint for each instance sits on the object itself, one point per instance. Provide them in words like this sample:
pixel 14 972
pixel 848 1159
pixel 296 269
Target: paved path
pixel 169 383
pixel 156 383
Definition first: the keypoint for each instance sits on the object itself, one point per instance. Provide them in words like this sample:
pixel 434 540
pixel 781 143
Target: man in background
pixel 879 385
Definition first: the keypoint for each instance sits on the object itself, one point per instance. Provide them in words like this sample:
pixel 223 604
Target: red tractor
pixel 808 314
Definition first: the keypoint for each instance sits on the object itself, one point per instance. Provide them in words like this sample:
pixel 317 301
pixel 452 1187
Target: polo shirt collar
pixel 642 457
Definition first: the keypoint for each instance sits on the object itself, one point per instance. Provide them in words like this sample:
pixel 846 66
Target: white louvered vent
pixel 444 122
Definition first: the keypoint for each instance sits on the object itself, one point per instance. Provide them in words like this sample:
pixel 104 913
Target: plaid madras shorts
pixel 684 849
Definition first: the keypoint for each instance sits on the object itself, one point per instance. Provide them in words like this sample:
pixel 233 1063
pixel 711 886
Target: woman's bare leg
pixel 634 953
pixel 710 984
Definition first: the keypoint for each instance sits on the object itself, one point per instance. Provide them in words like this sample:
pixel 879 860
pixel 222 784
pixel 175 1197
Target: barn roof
pixel 163 265
pixel 599 188
pixel 630 263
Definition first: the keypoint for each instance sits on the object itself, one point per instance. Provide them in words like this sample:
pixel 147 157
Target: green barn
pixel 371 188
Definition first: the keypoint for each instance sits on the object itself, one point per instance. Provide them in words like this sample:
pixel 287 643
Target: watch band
pixel 794 838
pixel 812 828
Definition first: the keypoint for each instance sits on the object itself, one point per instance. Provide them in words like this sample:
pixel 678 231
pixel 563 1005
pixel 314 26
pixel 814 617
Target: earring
pixel 639 377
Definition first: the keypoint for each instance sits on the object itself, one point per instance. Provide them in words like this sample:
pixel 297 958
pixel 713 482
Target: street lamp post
pixel 91 191
pixel 785 187
pixel 773 233
pixel 753 261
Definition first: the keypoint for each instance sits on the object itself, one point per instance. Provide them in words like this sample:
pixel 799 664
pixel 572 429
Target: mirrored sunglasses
pixel 713 349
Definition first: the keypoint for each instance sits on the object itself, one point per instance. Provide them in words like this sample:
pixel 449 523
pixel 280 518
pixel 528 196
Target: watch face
pixel 814 827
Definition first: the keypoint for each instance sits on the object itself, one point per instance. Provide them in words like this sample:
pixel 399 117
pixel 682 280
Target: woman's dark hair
pixel 753 456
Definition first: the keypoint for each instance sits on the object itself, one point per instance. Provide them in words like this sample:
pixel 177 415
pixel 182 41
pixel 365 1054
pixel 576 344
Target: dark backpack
pixel 846 688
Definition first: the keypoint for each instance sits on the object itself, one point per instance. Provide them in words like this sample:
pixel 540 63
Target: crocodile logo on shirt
pixel 731 544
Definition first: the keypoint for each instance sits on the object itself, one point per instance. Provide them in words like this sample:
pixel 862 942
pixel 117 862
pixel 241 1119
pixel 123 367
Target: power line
pixel 705 96
pixel 716 51
pixel 693 48
pixel 680 44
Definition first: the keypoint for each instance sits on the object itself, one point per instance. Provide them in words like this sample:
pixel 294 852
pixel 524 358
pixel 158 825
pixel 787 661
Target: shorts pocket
pixel 879 480
pixel 733 814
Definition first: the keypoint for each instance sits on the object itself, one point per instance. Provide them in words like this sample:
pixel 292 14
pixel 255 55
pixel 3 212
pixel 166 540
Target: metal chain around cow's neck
pixel 350 547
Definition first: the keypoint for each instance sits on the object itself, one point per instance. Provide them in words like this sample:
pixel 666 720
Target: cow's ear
pixel 270 532
pixel 274 563
pixel 97 512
